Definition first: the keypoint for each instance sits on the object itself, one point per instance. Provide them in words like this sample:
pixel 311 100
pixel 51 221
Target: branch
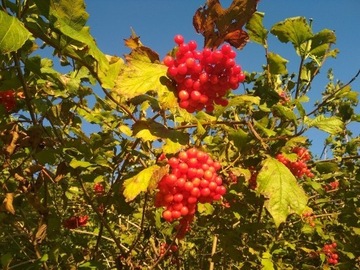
pixel 323 103
pixel 25 88
pixel 102 219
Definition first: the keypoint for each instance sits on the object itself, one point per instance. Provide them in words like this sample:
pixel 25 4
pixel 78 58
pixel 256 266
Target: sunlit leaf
pixel 283 194
pixel 171 147
pixel 295 30
pixel 332 125
pixel 144 180
pixel 256 29
pixel 79 163
pixel 321 42
pixel 143 74
pixel 13 34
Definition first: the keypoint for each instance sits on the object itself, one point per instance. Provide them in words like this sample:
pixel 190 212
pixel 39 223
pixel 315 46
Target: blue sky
pixel 157 21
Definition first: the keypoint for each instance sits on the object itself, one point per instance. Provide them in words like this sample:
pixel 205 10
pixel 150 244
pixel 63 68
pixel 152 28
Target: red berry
pixel 179 39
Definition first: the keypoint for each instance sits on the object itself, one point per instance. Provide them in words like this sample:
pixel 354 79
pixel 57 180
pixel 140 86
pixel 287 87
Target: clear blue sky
pixel 157 21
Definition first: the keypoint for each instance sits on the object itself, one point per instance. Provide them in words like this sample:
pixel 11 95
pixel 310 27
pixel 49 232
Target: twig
pixel 323 103
pixel 102 219
pixel 25 88
pixel 141 226
pixel 213 251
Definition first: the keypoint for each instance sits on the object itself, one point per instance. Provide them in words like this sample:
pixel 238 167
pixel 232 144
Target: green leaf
pixel 141 75
pixel 256 29
pixel 6 260
pixel 285 112
pixel 240 138
pixel 321 42
pixel 327 167
pixel 266 261
pixel 146 179
pixel 13 34
pixel 331 125
pixel 79 163
pixel 69 17
pixel 279 186
pixel 171 147
pixel 268 132
pixel 295 30
pixel 244 100
pixel 151 130
pixel 205 209
pixel 277 64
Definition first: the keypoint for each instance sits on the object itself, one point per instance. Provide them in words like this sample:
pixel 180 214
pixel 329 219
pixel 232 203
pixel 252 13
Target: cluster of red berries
pixel 203 77
pixel 332 256
pixel 7 100
pixel 309 217
pixel 193 178
pixel 75 222
pixel 165 246
pixel 298 167
pixel 99 189
pixel 332 185
pixel 252 181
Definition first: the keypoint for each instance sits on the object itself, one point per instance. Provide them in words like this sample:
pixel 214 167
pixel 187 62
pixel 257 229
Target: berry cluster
pixel 332 256
pixel 75 222
pixel 193 178
pixel 253 177
pixel 332 186
pixel 309 218
pixel 298 167
pixel 99 189
pixel 171 249
pixel 7 99
pixel 203 77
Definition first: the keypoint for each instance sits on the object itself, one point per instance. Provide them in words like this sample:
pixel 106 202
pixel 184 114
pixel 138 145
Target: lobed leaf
pixel 295 30
pixel 256 29
pixel 13 34
pixel 218 24
pixel 277 64
pixel 331 125
pixel 147 179
pixel 278 185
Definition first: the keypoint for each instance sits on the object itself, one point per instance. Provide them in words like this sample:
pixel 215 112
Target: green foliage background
pixel 50 165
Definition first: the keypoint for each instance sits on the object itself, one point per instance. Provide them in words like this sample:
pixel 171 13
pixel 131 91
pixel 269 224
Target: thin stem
pixel 324 102
pixel 213 251
pixel 102 219
pixel 25 88
pixel 141 226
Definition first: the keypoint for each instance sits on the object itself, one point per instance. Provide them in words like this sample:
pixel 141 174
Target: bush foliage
pixel 87 137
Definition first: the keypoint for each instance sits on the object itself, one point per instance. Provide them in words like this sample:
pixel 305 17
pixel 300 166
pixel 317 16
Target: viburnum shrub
pixel 112 161
pixel 203 77
pixel 193 179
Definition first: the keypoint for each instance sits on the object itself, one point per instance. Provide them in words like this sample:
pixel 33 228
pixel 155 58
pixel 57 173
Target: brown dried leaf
pixel 8 203
pixel 41 233
pixel 217 24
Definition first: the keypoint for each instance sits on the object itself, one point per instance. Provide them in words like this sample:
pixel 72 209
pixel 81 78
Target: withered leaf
pixel 8 203
pixel 218 25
